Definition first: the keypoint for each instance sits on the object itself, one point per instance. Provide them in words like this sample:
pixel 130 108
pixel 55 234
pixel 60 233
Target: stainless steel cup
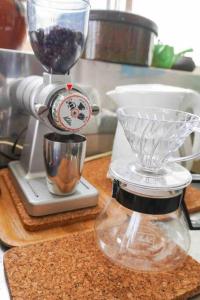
pixel 64 158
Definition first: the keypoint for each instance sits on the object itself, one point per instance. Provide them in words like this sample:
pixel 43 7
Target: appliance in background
pixel 120 37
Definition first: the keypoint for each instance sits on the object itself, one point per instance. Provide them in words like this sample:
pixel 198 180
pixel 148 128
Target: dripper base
pixel 172 177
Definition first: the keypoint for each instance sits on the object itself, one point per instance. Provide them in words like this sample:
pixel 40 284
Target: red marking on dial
pixel 69 86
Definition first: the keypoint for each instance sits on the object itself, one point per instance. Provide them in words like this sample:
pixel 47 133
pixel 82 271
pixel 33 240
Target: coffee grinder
pixel 57 31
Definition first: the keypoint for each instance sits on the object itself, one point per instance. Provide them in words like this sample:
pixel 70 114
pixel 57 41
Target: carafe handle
pixel 188 157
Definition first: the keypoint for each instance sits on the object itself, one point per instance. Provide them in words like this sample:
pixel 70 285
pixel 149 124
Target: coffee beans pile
pixel 57 48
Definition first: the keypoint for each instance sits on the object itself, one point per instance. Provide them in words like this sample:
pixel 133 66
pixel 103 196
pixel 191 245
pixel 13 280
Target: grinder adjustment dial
pixel 70 111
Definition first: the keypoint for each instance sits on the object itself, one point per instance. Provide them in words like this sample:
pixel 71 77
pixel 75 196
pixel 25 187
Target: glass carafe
pixel 143 232
pixel 58 31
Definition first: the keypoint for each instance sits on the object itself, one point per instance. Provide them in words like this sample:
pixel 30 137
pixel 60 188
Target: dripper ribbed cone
pixel 155 134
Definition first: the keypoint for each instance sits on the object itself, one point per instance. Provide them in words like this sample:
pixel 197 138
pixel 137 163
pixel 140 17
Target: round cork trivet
pixel 32 223
pixel 94 171
pixel 74 268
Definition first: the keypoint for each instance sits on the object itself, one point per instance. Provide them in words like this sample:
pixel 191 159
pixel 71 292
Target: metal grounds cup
pixel 64 158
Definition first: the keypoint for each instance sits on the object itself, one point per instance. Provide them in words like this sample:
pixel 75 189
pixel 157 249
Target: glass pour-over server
pixel 143 226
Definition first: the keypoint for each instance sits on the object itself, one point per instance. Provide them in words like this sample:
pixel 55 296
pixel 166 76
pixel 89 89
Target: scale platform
pixel 38 201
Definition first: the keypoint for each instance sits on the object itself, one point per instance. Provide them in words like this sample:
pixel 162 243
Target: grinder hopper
pixel 58 31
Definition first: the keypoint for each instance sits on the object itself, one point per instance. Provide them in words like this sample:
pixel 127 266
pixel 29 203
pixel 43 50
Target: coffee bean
pixel 57 48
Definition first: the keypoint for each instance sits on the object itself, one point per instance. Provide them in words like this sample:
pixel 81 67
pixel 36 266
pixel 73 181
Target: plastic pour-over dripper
pixel 58 31
pixel 155 134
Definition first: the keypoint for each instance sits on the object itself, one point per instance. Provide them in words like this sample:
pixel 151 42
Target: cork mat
pixel 32 223
pixel 13 232
pixel 192 199
pixel 74 268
